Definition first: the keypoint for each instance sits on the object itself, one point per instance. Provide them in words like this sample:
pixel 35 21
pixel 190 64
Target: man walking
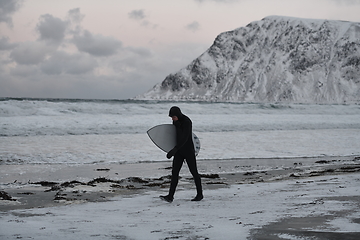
pixel 184 149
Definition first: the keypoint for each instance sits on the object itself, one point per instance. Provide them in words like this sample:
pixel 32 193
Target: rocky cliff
pixel 276 59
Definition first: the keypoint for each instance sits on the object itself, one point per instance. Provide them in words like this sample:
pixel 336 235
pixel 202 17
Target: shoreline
pixel 39 186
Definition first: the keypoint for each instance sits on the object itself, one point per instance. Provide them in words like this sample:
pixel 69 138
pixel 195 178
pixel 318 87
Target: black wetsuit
pixel 184 149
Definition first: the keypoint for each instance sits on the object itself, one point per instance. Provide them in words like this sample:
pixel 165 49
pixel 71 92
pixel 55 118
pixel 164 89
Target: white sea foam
pixel 79 131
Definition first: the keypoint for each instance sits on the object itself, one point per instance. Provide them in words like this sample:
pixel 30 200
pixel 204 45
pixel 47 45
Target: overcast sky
pixel 117 49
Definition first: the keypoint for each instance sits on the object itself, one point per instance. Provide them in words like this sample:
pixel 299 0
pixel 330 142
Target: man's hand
pixel 171 153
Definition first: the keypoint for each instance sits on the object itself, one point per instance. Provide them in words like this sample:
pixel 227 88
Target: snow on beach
pixel 270 160
pixel 292 209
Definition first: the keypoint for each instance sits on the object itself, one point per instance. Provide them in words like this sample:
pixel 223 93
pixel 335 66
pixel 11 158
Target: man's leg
pixel 176 167
pixel 191 162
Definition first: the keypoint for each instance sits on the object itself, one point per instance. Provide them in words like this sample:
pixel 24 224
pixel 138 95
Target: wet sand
pixel 38 186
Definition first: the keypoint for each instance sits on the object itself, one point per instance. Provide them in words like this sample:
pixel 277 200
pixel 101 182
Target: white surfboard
pixel 164 137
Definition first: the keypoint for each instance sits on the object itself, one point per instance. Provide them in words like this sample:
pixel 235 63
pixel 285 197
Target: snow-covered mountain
pixel 276 59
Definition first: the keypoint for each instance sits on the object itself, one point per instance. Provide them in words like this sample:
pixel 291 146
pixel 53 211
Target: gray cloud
pixel 74 19
pixel 143 52
pixel 75 16
pixel 5 44
pixel 51 28
pixel 137 14
pixel 7 9
pixel 96 45
pixel 131 72
pixel 62 62
pixel 24 71
pixel 194 26
pixel 121 71
pixel 132 62
pixel 29 53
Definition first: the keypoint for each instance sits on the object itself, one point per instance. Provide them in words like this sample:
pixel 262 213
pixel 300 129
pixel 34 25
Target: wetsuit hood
pixel 175 111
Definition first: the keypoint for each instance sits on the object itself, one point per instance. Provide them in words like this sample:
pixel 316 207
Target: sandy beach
pixel 300 198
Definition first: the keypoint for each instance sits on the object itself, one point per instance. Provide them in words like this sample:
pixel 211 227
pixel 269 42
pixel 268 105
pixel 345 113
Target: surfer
pixel 184 149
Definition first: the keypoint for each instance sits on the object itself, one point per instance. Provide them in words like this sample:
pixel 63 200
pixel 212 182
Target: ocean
pixel 77 131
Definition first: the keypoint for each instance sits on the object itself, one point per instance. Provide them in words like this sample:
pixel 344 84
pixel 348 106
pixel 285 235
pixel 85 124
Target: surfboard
pixel 164 137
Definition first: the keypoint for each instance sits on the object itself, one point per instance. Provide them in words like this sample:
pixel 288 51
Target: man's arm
pixel 184 137
pixel 186 133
